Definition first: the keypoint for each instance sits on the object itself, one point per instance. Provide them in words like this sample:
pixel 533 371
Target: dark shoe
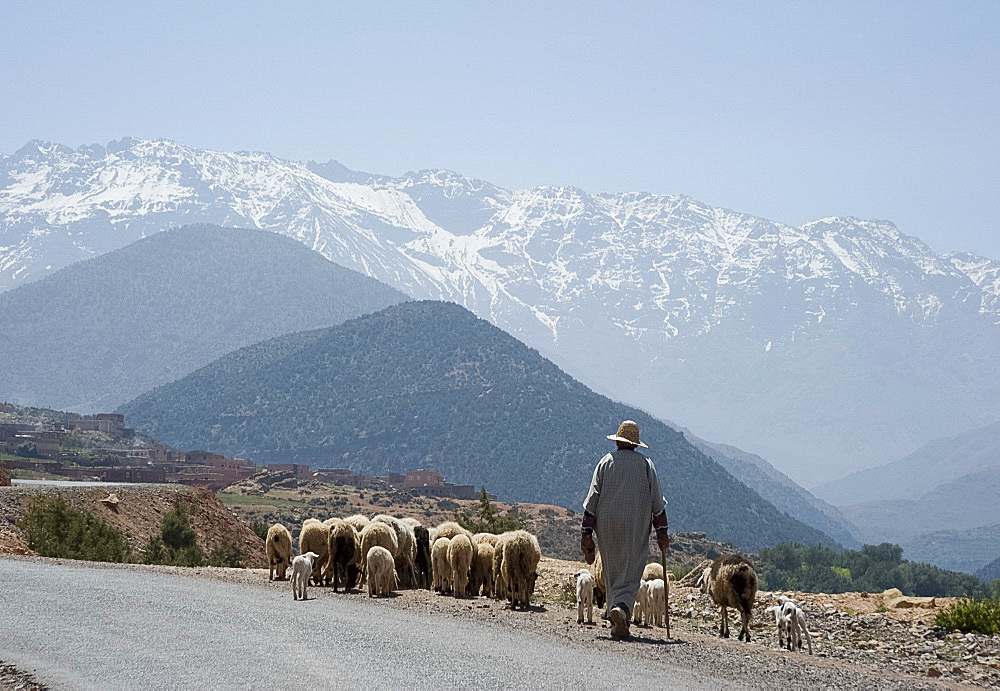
pixel 619 622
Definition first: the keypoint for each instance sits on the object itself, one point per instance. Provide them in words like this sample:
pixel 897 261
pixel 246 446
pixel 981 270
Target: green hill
pixel 98 333
pixel 428 384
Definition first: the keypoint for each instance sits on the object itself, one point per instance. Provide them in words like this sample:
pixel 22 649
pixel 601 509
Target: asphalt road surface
pixel 78 626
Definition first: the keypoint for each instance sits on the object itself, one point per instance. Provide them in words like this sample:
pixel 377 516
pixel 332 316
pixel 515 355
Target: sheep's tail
pixel 742 580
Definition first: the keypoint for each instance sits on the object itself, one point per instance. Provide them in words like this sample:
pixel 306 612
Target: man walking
pixel 623 502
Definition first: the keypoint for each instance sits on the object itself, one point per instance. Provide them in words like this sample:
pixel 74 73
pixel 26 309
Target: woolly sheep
pixel 449 529
pixel 731 582
pixel 358 522
pixel 521 554
pixel 330 522
pixel 441 566
pixel 412 522
pixel 279 550
pixel 584 595
pixel 641 602
pixel 488 538
pixel 381 572
pixel 377 534
pixel 599 590
pixel 310 520
pixel 315 537
pixel 656 600
pixel 344 556
pixel 460 560
pixel 652 571
pixel 422 557
pixel 302 568
pixel 405 554
pixel 499 587
pixel 482 569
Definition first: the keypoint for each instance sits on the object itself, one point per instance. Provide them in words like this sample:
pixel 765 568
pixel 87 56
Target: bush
pixel 53 528
pixel 260 528
pixel 227 554
pixel 971 616
pixel 177 544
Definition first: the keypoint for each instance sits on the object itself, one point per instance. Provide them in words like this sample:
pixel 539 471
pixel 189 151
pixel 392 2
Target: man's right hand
pixel 588 547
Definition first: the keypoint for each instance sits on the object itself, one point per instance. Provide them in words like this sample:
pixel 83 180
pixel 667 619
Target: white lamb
pixel 584 595
pixel 791 622
pixel 302 567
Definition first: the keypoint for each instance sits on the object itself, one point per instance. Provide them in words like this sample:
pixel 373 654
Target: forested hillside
pixel 428 384
pixel 99 332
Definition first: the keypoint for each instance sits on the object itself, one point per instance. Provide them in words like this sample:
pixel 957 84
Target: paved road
pixel 69 483
pixel 78 626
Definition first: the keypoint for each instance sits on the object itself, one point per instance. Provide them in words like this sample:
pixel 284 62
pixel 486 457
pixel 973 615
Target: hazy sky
pixel 793 111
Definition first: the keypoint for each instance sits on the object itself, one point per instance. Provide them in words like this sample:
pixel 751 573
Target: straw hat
pixel 628 432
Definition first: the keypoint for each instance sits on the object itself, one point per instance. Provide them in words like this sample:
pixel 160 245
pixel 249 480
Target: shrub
pixel 53 528
pixel 971 616
pixel 260 528
pixel 227 554
pixel 177 544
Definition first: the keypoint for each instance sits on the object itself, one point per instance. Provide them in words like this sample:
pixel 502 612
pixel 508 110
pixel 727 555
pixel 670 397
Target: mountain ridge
pixel 826 347
pixel 99 332
pixel 428 384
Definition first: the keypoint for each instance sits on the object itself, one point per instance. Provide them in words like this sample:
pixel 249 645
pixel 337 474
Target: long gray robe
pixel 624 495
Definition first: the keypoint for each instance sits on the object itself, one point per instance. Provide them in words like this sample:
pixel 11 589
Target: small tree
pixel 177 543
pixel 488 518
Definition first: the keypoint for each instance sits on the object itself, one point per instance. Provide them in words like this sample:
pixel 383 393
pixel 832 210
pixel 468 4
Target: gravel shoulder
pixel 693 647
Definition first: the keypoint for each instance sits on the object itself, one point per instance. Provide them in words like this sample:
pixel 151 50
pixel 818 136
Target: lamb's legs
pixel 724 627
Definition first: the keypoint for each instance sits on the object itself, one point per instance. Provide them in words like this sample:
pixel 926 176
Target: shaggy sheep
pixel 377 534
pixel 344 556
pixel 599 591
pixel 488 538
pixel 482 569
pixel 381 572
pixel 330 522
pixel 521 554
pixel 584 596
pixel 641 602
pixel 449 529
pixel 302 568
pixel 412 522
pixel 358 522
pixel 310 520
pixel 499 587
pixel 460 560
pixel 442 568
pixel 652 571
pixel 422 557
pixel 406 552
pixel 731 582
pixel 315 537
pixel 279 550
pixel 656 601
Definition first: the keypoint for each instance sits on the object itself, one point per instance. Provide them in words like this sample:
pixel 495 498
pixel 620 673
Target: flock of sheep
pixel 387 552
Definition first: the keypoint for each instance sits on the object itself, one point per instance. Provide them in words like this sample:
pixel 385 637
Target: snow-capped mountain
pixel 827 347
